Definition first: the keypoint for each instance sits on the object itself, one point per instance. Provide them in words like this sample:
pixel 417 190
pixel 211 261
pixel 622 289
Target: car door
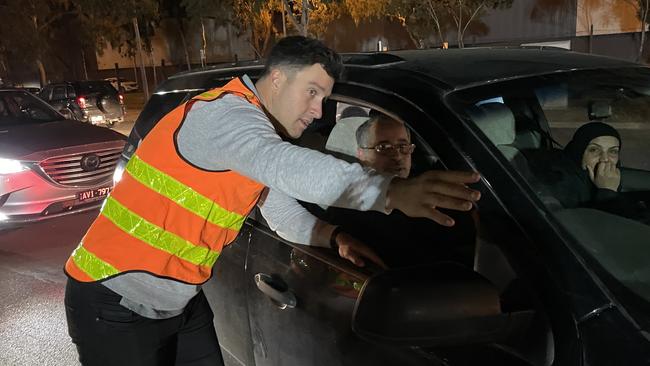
pixel 300 304
pixel 227 291
pixel 301 299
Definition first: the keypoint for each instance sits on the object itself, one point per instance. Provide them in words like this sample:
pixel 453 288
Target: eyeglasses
pixel 404 149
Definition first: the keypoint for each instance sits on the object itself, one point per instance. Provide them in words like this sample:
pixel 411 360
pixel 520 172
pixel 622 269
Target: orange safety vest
pixel 166 216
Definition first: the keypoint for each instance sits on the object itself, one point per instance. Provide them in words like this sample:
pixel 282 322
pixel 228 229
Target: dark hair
pixel 353 111
pixel 575 149
pixel 299 52
pixel 363 131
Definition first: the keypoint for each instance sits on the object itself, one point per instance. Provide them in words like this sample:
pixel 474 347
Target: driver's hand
pixel 421 196
pixel 354 250
pixel 605 175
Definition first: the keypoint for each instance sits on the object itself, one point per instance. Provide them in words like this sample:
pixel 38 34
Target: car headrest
pixel 496 121
pixel 599 110
pixel 343 138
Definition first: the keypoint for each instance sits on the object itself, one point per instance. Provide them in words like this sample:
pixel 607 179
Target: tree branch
pixel 55 18
pixel 472 17
pixel 291 17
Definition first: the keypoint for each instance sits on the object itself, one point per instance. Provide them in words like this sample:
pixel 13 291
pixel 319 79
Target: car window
pixel 597 189
pixel 58 93
pixel 46 92
pixel 21 108
pixel 89 87
pixel 396 150
pixel 71 93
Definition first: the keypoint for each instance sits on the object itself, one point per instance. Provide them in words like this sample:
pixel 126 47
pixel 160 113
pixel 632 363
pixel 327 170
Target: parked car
pixel 549 285
pixel 96 102
pixel 125 84
pixel 50 166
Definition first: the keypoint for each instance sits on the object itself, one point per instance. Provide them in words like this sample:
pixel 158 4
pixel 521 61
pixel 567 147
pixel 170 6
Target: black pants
pixel 106 333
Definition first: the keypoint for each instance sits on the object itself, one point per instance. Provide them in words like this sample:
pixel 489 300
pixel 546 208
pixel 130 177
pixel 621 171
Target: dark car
pixel 96 102
pixel 548 285
pixel 50 166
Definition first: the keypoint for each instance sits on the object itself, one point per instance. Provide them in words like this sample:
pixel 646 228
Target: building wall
pixel 607 17
pixel 528 20
pixel 622 45
pixel 345 36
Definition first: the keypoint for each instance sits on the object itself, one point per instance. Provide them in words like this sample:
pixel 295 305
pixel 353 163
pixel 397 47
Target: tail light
pixel 121 98
pixel 82 102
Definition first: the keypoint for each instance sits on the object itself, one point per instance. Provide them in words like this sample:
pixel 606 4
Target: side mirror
pixel 66 113
pixel 445 304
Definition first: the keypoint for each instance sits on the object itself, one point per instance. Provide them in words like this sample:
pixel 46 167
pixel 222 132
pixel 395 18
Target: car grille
pixel 81 169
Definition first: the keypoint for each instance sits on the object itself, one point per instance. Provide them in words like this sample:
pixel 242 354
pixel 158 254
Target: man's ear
pixel 360 155
pixel 277 78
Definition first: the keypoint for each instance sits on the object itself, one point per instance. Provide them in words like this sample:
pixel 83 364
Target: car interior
pixel 334 134
pixel 505 124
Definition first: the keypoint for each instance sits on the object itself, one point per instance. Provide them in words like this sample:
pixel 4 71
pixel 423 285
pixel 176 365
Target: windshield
pixel 18 107
pixel 90 87
pixel 582 142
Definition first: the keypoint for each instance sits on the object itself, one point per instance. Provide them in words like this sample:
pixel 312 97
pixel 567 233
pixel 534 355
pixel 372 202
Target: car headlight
pixel 10 166
pixel 119 170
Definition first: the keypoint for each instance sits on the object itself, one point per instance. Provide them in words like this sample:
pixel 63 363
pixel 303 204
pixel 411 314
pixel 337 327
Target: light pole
pixel 143 72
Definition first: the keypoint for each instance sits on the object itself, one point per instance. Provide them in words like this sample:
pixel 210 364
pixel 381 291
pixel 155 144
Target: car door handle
pixel 269 286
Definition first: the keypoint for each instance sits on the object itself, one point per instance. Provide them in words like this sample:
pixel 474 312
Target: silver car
pixel 50 166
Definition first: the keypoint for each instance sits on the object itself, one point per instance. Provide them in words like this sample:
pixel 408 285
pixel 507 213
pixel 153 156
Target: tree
pixel 258 17
pixel 421 18
pixel 104 23
pixel 34 24
pixel 311 17
pixel 175 10
pixel 30 24
pixel 219 12
pixel 643 13
pixel 425 18
pixel 464 12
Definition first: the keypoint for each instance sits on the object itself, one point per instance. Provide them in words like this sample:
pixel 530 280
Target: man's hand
pixel 354 250
pixel 606 175
pixel 422 196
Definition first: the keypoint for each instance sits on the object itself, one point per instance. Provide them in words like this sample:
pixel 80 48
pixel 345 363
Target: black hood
pixel 21 140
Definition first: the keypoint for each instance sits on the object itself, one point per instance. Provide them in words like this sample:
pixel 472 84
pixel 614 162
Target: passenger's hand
pixel 605 175
pixel 354 250
pixel 423 195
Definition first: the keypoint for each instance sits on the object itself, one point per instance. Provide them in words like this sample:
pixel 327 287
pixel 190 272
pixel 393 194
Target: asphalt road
pixel 32 316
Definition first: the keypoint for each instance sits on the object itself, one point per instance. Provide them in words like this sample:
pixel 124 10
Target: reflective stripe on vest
pixel 150 208
pixel 183 195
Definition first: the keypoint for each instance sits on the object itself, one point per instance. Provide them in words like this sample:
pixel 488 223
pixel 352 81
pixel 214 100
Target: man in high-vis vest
pixel 134 295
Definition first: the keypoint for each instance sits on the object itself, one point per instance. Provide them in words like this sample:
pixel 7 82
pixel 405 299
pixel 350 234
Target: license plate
pixel 96 118
pixel 93 194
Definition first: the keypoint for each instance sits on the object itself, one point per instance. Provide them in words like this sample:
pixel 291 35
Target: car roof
pixel 447 68
pixel 457 68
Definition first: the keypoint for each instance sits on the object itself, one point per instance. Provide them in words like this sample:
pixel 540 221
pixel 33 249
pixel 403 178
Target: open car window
pixel 398 239
pixel 528 122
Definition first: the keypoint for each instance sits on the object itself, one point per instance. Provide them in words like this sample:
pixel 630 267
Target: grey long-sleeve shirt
pixel 232 134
